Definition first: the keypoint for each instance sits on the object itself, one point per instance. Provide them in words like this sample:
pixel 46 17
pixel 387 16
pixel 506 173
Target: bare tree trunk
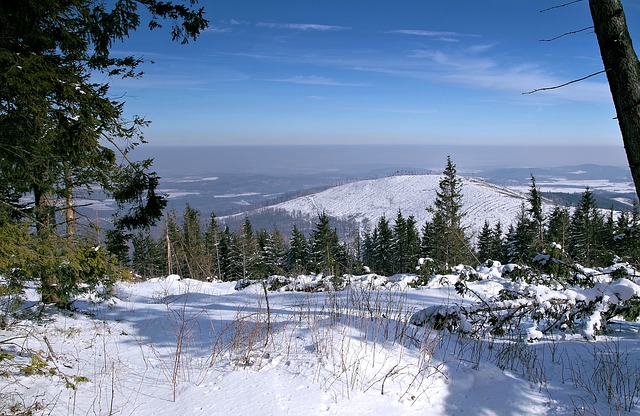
pixel 623 73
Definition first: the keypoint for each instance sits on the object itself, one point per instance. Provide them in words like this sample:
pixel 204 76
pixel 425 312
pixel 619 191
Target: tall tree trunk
pixel 623 72
pixel 45 224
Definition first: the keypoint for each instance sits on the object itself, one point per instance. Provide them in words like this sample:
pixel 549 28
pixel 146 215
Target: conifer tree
pixel 405 245
pixel 427 242
pixel 520 238
pixel 261 267
pixel 149 256
pixel 298 253
pixel 383 248
pixel 448 243
pixel 271 249
pixel 587 232
pixel 193 245
pixel 558 226
pixel 490 243
pixel 627 235
pixel 248 249
pixel 231 256
pixel 536 216
pixel 212 243
pixel 413 243
pixel 62 132
pixel 278 249
pixel 407 259
pixel 177 261
pixel 325 247
pixel 485 242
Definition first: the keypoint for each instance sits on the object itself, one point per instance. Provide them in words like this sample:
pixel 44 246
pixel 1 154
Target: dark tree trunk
pixel 45 223
pixel 623 73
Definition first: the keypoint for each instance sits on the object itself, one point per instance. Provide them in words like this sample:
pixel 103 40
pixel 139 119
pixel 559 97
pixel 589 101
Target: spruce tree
pixel 325 247
pixel 298 254
pixel 558 225
pixel 485 242
pixel 62 132
pixel 193 245
pixel 271 252
pixel 536 216
pixel 399 243
pixel 248 249
pixel 212 243
pixel 587 232
pixel 627 235
pixel 448 243
pixel 413 238
pixel 406 244
pixel 149 257
pixel 491 244
pixel 521 247
pixel 383 248
pixel 499 246
pixel 231 256
pixel 427 242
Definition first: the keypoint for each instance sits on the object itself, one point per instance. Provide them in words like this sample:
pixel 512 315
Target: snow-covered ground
pixel 170 346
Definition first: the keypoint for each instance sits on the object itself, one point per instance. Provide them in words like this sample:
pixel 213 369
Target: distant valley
pixel 355 188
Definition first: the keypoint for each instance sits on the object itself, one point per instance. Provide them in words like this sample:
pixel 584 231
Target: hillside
pixel 362 203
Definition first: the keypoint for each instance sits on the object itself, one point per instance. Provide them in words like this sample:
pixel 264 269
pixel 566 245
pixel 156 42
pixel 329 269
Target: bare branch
pixel 566 34
pixel 560 5
pixel 120 150
pixel 565 84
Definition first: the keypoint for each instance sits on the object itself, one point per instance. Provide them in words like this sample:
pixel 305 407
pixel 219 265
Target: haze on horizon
pixel 362 159
pixel 286 72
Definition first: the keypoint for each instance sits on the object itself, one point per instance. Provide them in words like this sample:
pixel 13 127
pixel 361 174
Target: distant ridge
pixel 362 203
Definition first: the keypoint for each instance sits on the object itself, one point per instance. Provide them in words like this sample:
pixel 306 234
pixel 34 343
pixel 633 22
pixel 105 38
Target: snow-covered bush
pixel 529 309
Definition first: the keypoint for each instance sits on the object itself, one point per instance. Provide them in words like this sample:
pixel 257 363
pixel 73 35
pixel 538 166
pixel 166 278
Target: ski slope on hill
pixel 364 202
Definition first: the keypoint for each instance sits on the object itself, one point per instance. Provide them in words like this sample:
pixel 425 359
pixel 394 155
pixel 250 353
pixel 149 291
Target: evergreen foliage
pixel 406 244
pixel 390 250
pixel 444 238
pixel 149 256
pixel 63 134
pixel 386 250
pixel 490 243
pixel 325 248
pixel 587 236
pixel 558 226
pixel 212 245
pixel 527 237
pixel 298 254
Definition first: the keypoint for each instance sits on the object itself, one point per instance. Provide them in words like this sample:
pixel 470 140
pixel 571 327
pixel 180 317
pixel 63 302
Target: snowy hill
pixel 362 203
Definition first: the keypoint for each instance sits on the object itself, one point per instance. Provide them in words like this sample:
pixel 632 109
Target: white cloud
pixel 315 80
pixel 305 27
pixel 215 29
pixel 415 111
pixel 438 35
pixel 468 67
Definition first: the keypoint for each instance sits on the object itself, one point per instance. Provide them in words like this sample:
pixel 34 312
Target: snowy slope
pixel 366 201
pixel 176 346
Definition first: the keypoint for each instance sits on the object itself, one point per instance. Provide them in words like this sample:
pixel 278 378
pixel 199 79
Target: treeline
pixel 583 235
pixel 215 252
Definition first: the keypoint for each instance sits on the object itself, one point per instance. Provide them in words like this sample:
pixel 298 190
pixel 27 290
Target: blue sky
pixel 376 72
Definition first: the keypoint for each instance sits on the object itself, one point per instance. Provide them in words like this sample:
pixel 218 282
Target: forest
pixel 585 234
